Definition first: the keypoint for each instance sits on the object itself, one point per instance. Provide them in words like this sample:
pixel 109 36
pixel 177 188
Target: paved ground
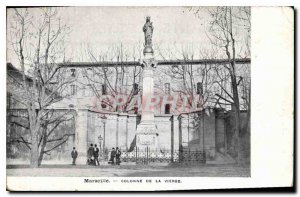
pixel 130 171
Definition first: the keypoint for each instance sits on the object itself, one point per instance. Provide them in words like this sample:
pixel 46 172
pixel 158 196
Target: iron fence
pixel 147 156
pixel 192 157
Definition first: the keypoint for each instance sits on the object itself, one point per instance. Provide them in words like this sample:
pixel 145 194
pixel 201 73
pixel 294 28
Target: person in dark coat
pixel 91 155
pixel 74 155
pixel 96 155
pixel 112 156
pixel 118 155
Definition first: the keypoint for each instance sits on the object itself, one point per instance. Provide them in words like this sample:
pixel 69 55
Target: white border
pixel 273 145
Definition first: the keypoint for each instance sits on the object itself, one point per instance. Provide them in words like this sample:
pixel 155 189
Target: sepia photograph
pixel 99 92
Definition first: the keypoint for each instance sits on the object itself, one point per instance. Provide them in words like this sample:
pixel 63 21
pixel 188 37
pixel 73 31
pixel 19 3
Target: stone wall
pixel 245 135
pixel 212 131
pixel 221 144
pixel 120 130
pixel 203 131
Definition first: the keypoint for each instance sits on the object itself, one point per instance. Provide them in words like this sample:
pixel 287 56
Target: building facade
pixel 106 103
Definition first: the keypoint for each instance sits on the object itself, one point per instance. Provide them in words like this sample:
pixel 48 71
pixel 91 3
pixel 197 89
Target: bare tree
pixel 38 46
pixel 118 79
pixel 189 75
pixel 223 33
pixel 227 27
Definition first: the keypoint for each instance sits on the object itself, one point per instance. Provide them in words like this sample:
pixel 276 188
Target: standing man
pixel 74 155
pixel 112 156
pixel 90 155
pixel 118 155
pixel 96 155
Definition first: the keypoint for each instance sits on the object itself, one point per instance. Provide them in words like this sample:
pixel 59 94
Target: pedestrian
pixel 118 155
pixel 74 155
pixel 96 155
pixel 90 155
pixel 112 156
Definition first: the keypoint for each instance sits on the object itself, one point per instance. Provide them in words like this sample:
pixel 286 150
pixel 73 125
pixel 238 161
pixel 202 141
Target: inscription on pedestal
pixel 145 139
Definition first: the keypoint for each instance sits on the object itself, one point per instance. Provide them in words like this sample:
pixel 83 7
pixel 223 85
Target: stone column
pixel 209 133
pixel 122 131
pixel 175 133
pixel 146 130
pixel 132 126
pixel 147 109
pixel 81 136
pixel 183 131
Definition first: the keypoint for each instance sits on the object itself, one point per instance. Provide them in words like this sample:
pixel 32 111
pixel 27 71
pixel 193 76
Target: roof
pixel 18 73
pixel 159 63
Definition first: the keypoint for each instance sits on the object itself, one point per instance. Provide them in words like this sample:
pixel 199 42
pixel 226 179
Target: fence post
pixel 146 155
pixel 198 156
pixel 144 158
pixel 189 156
pixel 136 149
pixel 149 158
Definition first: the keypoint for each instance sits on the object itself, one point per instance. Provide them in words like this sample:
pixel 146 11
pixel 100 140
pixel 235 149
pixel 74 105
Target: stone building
pixel 101 117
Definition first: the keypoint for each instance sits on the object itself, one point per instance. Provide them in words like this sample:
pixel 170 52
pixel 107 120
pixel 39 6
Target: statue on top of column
pixel 148 31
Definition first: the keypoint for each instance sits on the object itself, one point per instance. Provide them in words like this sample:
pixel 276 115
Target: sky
pixel 103 28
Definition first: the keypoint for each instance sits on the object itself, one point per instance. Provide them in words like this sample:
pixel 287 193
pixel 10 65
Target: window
pixel 13 101
pixel 167 88
pixel 83 91
pixel 167 109
pixel 199 88
pixel 104 89
pixel 135 110
pixel 90 90
pixel 103 105
pixel 73 72
pixel 8 100
pixel 73 89
pixel 90 73
pixel 135 89
pixel 199 105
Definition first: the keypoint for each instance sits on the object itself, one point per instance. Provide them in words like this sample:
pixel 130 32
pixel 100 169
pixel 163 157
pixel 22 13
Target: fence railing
pixel 147 156
pixel 192 157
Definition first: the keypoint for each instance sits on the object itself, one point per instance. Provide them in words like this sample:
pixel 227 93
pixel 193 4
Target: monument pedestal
pixel 146 136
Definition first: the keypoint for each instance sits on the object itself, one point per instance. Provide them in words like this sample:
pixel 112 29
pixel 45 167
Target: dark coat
pixel 91 152
pixel 96 152
pixel 118 153
pixel 113 153
pixel 74 154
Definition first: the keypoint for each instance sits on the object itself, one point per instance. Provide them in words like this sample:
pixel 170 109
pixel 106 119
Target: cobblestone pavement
pixel 130 171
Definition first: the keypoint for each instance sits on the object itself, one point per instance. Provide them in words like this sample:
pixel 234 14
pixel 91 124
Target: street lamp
pixel 103 119
pixel 100 139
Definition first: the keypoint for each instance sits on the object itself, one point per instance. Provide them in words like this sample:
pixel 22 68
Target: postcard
pixel 149 98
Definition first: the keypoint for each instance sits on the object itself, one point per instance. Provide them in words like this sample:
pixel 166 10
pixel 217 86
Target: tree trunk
pixel 34 147
pixel 237 127
pixel 43 146
pixel 40 159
